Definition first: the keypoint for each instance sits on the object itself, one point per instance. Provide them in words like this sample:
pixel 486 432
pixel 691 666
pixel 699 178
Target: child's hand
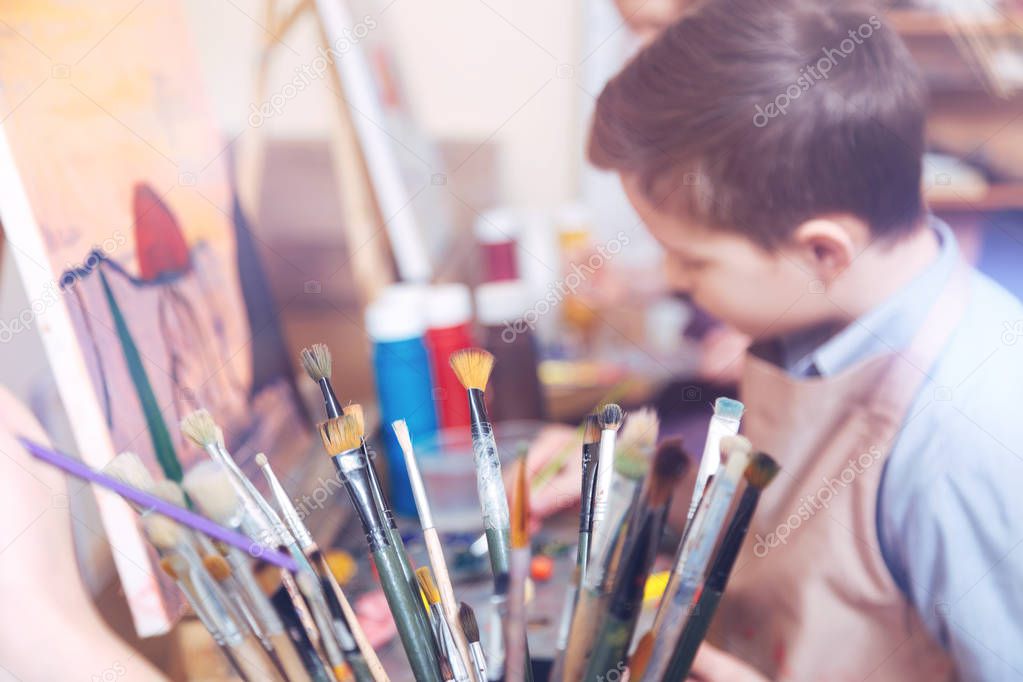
pixel 553 487
pixel 714 665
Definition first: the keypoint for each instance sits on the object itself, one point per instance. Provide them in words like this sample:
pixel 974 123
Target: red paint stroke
pixel 159 243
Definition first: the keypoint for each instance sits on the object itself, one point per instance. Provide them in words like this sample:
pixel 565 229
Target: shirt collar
pixel 888 326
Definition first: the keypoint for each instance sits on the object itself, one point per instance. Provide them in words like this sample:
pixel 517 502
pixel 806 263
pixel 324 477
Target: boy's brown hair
pixel 757 115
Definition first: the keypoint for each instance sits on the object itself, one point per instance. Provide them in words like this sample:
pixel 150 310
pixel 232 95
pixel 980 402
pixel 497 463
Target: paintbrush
pixel 471 628
pixel 340 608
pixel 318 364
pixel 434 549
pixel 695 551
pixel 591 437
pixel 442 631
pixel 472 366
pixel 519 666
pixel 209 484
pixel 610 417
pixel 180 561
pixel 147 501
pixel 724 422
pixel 611 645
pixel 498 616
pixel 760 472
pixel 342 439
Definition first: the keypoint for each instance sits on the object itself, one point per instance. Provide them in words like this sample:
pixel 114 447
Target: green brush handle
pixel 611 648
pixel 693 635
pixel 417 642
pixel 398 547
pixel 360 669
pixel 582 553
pixel 499 548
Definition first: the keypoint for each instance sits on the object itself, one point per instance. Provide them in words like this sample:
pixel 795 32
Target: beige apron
pixel 811 597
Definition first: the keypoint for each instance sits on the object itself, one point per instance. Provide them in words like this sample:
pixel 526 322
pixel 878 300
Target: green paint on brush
pixel 158 433
pixel 499 547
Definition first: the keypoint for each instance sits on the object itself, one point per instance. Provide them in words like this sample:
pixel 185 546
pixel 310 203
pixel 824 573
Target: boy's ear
pixel 827 246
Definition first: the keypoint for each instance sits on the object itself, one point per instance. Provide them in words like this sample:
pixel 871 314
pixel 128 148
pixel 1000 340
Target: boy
pixel 774 149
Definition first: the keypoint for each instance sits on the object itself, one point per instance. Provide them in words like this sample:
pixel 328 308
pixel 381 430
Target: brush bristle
pixel 761 470
pixel 340 434
pixel 217 567
pixel 169 491
pixel 317 362
pixel 611 416
pixel 424 576
pixel 520 506
pixel 261 460
pixel 128 468
pixel 162 532
pixel 472 366
pixel 355 410
pixel 209 485
pixel 446 673
pixel 635 444
pixel 467 619
pixel 199 427
pixel 671 462
pixel 591 429
pixel 168 567
pixel 403 436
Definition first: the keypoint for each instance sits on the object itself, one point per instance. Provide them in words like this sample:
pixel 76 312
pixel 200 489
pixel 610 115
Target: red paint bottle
pixel 497 233
pixel 449 318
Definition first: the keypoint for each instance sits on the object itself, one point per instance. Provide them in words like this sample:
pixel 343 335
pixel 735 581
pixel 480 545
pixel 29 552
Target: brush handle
pixel 334 590
pixel 417 641
pixel 515 627
pixel 479 660
pixel 585 621
pixel 496 657
pixel 285 604
pixel 605 474
pixel 435 553
pixel 611 649
pixel 253 662
pixel 290 661
pixel 588 487
pixel 692 636
pixel 173 511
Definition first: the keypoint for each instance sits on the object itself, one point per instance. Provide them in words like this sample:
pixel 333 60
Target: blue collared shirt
pixel 950 506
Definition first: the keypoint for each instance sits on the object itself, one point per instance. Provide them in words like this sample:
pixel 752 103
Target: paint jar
pixel 508 318
pixel 497 232
pixel 449 316
pixel 396 324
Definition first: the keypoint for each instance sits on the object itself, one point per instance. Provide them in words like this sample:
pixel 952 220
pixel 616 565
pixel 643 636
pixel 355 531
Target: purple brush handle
pixel 179 514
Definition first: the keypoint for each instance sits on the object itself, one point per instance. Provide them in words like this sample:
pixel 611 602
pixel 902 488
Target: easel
pixel 363 221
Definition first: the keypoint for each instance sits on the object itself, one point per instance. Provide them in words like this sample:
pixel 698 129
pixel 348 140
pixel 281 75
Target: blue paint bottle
pixel 396 324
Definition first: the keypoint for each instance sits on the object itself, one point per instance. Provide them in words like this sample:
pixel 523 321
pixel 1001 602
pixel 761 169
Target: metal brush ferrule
pixel 378 491
pixel 330 401
pixel 478 410
pixel 589 485
pixel 354 469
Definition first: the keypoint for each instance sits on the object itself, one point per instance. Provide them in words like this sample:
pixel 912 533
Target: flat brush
pixel 434 549
pixel 519 666
pixel 342 439
pixel 149 501
pixel 760 472
pixel 442 631
pixel 338 602
pixel 610 418
pixel 724 422
pixel 611 645
pixel 591 437
pixel 470 626
pixel 695 552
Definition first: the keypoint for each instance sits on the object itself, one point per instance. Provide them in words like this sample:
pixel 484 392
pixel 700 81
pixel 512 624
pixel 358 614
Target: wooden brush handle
pixel 448 603
pixel 253 662
pixel 290 660
pixel 376 668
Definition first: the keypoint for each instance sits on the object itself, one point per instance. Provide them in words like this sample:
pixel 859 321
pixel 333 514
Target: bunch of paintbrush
pixel 262 523
pixel 694 554
pixel 343 440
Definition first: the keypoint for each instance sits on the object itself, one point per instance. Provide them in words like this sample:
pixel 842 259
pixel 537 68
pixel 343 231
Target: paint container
pixel 508 317
pixel 396 324
pixel 497 232
pixel 449 319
